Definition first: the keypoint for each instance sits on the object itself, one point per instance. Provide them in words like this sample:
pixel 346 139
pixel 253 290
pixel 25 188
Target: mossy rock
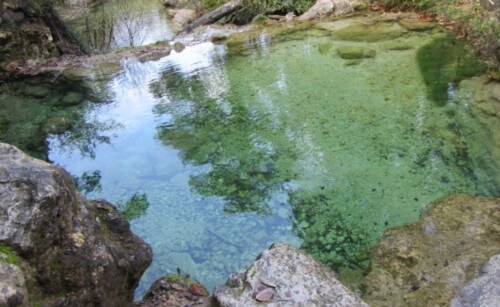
pixel 218 37
pixel 178 47
pixel 412 24
pixel 325 48
pixel 260 19
pixel 56 125
pixel 396 45
pixel 71 99
pixel 373 32
pixel 354 52
pixel 36 91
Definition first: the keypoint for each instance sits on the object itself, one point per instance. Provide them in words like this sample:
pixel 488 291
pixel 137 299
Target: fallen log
pixel 214 15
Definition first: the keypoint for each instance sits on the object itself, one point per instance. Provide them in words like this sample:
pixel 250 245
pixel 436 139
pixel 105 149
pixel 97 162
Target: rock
pixel 483 290
pixel 218 37
pixel 396 45
pixel 260 20
pixel 355 52
pixel 325 7
pixel 36 91
pixel 372 32
pixel 182 17
pixel 178 47
pixel 413 24
pixel 71 99
pixel 170 3
pixel 13 290
pixel 76 254
pixel 56 125
pixel 292 279
pixel 429 261
pixel 176 290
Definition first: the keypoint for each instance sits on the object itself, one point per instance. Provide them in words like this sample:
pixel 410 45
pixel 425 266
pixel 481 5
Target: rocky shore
pixel 59 249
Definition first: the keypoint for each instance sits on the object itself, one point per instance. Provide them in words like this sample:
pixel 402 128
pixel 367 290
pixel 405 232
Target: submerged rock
pixel 370 32
pixel 284 276
pixel 78 252
pixel 429 261
pixel 483 290
pixel 414 24
pixel 355 52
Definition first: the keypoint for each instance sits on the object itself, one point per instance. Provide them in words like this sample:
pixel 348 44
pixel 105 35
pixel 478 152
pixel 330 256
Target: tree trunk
pixel 214 15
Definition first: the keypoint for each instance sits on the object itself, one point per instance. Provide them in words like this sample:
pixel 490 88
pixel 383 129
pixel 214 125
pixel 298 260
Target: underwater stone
pixel 370 32
pixel 56 125
pixel 395 45
pixel 416 24
pixel 354 52
pixel 71 99
pixel 36 91
pixel 178 47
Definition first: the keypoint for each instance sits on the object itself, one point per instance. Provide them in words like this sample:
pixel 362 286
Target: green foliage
pixel 135 207
pixel 8 255
pixel 327 235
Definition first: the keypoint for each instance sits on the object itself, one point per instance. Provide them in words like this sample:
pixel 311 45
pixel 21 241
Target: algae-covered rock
pixel 355 52
pixel 284 276
pixel 71 99
pixel 396 45
pixel 413 24
pixel 37 91
pixel 56 125
pixel 370 32
pixel 79 252
pixel 429 261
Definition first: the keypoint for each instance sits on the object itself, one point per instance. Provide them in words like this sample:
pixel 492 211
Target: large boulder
pixel 284 276
pixel 72 252
pixel 429 261
pixel 324 8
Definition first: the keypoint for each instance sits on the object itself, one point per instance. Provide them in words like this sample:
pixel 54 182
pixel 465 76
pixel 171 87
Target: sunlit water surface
pixel 271 140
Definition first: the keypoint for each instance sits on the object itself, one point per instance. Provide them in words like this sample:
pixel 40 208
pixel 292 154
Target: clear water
pixel 271 138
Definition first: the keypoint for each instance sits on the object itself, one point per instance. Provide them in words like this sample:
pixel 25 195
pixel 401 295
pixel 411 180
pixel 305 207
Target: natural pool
pixel 272 137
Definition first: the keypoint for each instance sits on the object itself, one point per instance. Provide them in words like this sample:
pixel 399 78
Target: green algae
pixel 370 32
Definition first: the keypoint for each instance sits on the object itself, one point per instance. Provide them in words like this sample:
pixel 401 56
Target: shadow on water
pixel 443 63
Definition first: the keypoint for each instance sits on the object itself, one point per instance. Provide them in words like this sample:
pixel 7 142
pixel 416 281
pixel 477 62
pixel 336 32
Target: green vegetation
pixel 135 207
pixel 477 21
pixel 8 255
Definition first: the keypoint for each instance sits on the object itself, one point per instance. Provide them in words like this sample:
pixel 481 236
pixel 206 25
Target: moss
pixel 8 255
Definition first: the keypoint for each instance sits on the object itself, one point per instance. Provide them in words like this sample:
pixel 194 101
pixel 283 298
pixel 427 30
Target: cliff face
pixel 57 247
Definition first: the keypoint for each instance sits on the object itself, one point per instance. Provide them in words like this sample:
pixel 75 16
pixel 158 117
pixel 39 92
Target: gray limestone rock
pixel 80 252
pixel 284 276
pixel 484 290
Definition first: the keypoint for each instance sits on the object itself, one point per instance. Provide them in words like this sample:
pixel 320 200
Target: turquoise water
pixel 272 137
